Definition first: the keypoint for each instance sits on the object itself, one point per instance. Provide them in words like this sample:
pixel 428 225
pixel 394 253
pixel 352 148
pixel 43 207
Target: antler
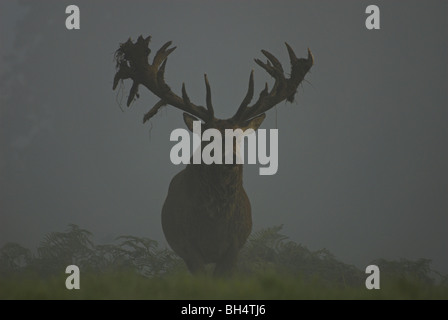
pixel 132 62
pixel 283 88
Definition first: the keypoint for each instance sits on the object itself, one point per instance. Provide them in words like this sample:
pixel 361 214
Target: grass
pixel 270 285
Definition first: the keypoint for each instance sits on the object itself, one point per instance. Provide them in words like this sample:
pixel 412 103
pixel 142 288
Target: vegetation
pixel 270 267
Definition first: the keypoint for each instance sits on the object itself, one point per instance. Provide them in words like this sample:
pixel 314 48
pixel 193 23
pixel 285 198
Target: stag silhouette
pixel 206 217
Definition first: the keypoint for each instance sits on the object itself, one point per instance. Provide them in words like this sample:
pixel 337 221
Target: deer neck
pixel 223 181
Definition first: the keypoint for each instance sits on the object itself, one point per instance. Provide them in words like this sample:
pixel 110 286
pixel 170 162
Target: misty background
pixel 363 158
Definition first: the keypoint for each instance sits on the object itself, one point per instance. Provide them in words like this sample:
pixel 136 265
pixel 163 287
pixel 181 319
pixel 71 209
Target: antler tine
pixel 185 95
pixel 132 63
pixel 247 99
pixel 209 98
pixel 273 60
pixel 292 55
pixel 162 53
pixel 283 89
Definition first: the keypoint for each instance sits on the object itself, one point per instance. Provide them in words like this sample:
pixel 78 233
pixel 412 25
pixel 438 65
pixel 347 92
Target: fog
pixel 363 157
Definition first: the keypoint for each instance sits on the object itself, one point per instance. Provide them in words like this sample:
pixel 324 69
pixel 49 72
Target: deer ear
pixel 254 123
pixel 188 119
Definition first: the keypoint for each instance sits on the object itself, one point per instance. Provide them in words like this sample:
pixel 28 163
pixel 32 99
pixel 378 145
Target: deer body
pixel 206 217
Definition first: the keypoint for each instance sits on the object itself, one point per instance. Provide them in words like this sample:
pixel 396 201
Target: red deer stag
pixel 206 217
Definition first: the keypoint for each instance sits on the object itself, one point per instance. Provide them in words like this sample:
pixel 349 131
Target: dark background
pixel 362 153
